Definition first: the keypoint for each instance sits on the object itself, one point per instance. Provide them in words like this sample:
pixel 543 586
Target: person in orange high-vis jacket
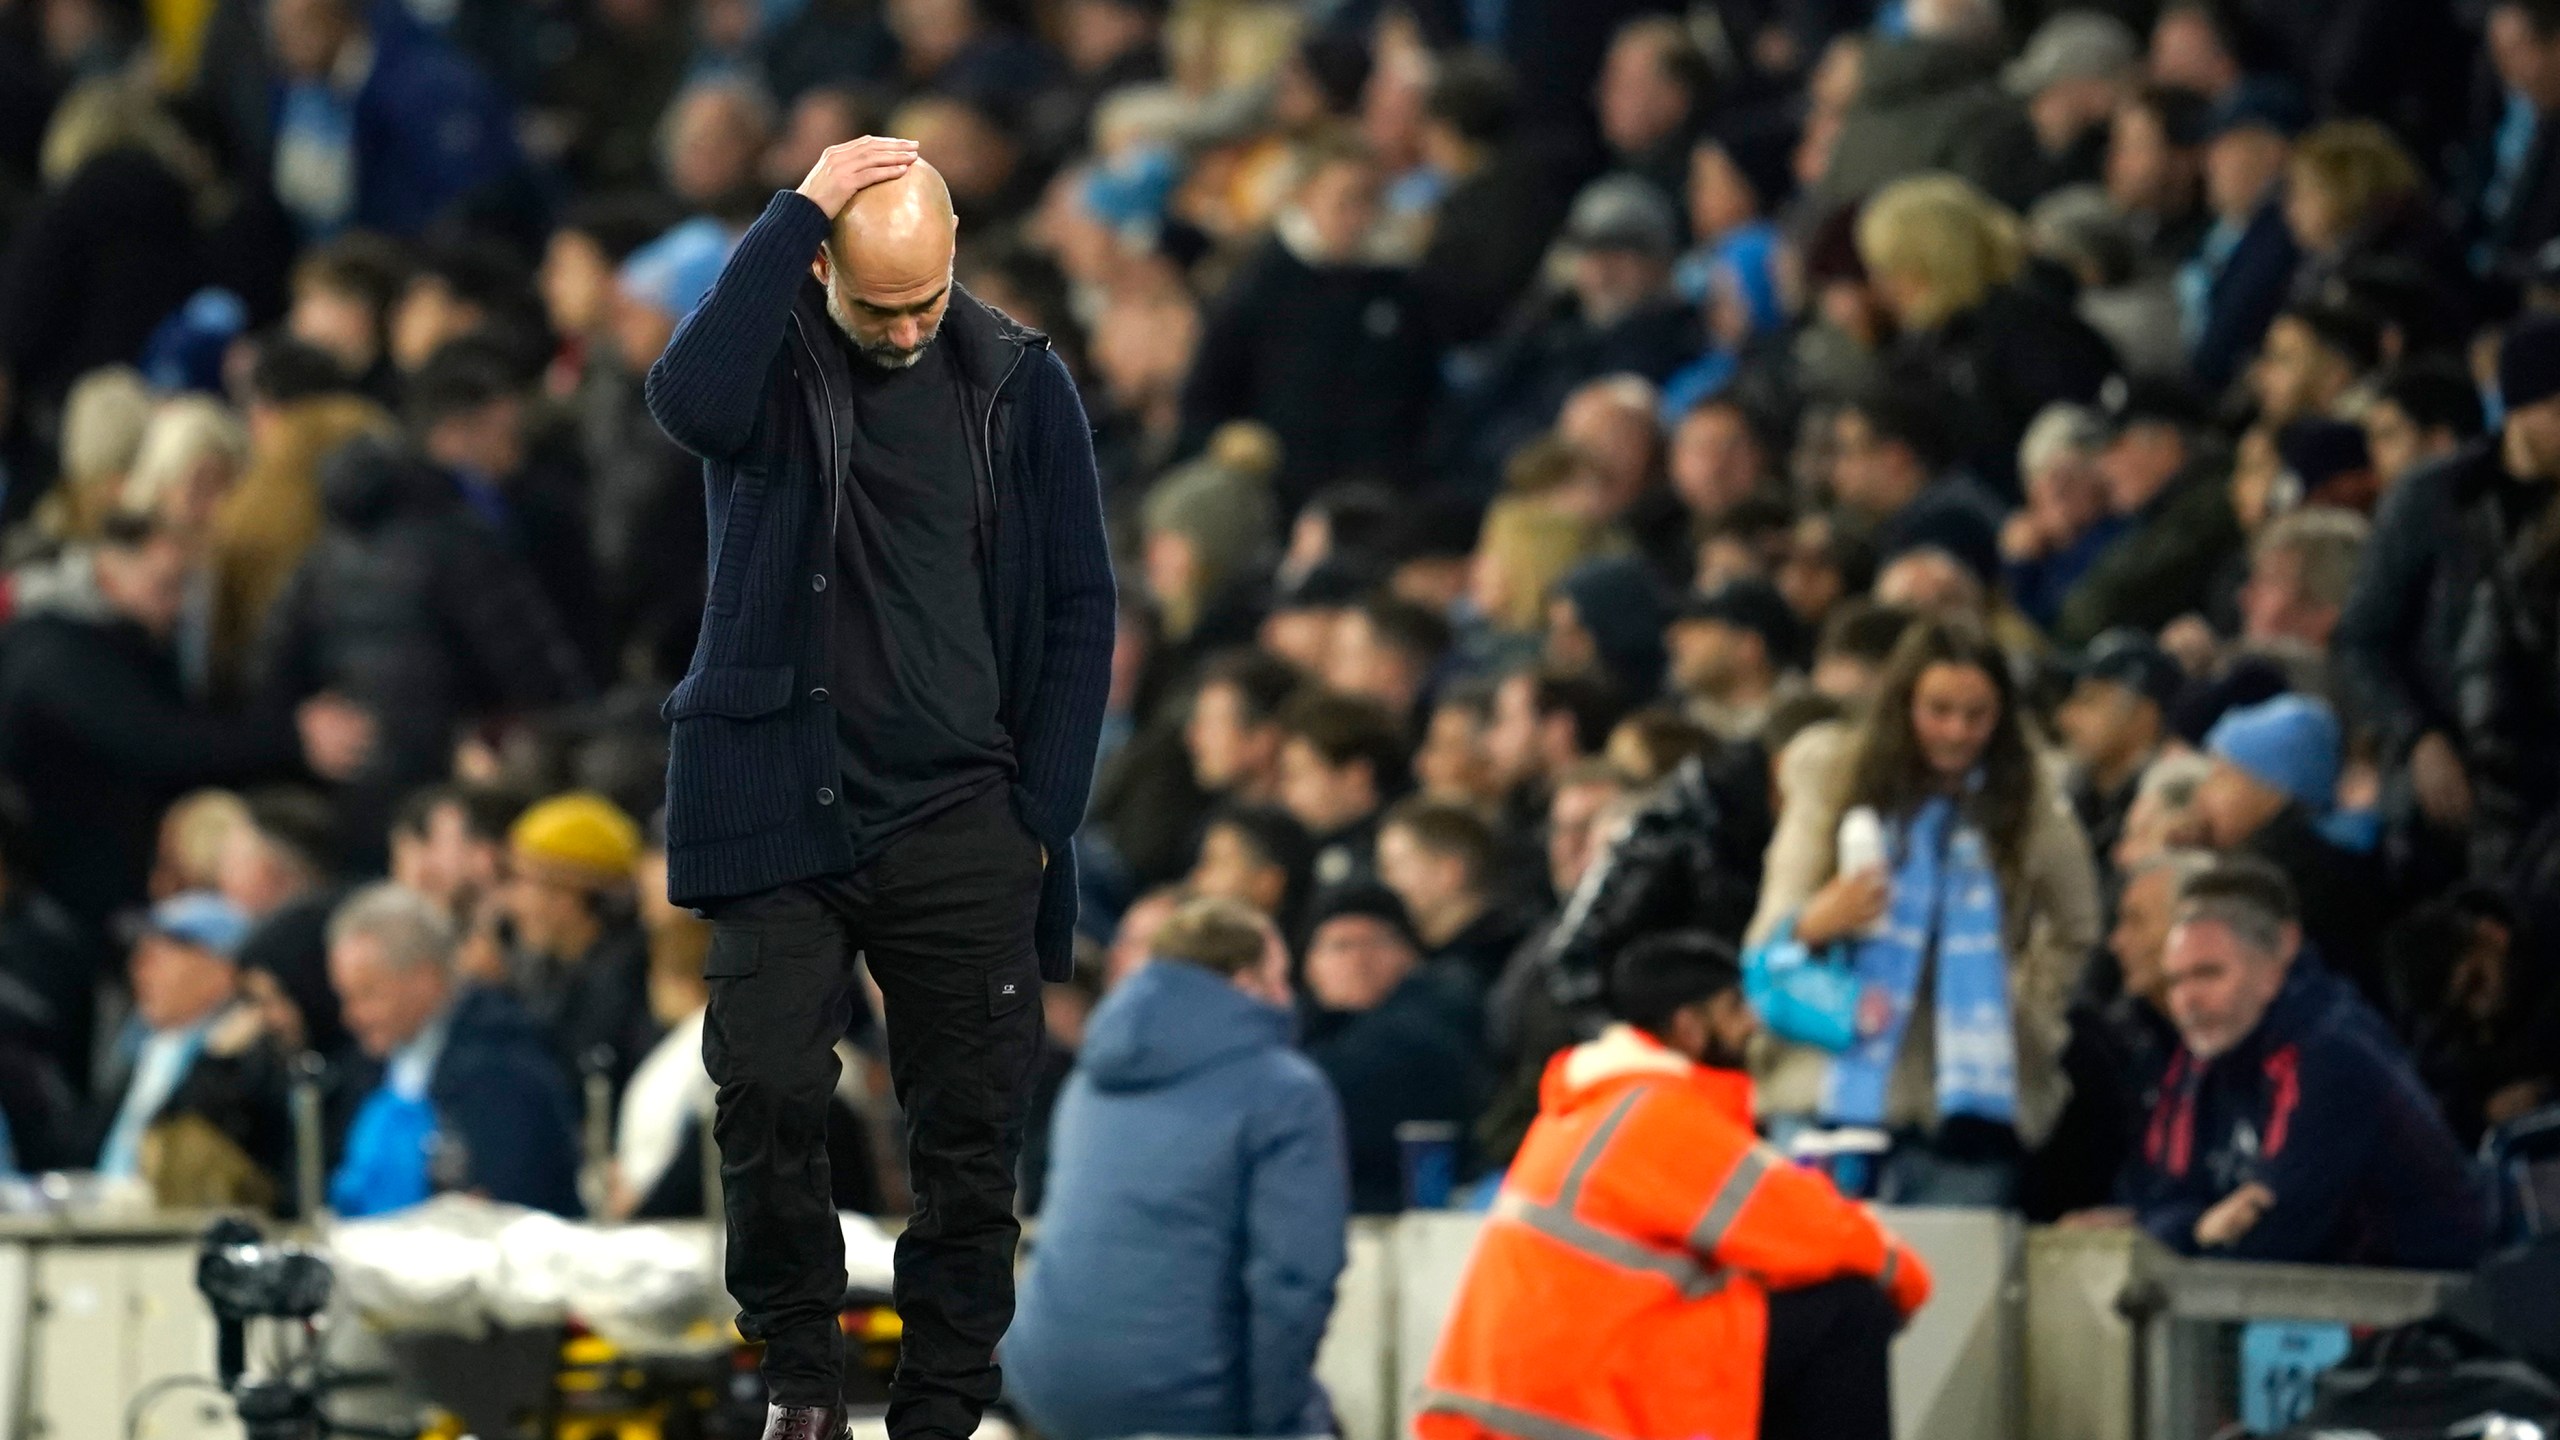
pixel 1651 1270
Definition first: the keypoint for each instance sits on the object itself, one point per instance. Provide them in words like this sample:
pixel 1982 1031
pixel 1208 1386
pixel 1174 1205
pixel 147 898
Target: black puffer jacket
pixel 2506 664
pixel 411 606
pixel 97 731
pixel 1998 364
pixel 1688 859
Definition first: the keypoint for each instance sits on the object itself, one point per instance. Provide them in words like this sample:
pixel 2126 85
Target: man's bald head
pixel 898 230
pixel 887 265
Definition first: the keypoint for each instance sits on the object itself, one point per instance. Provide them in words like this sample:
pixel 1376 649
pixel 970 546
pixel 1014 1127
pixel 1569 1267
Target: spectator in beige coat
pixel 1926 868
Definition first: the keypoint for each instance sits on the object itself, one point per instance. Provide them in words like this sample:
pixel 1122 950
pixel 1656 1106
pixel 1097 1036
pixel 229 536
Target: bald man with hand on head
pixel 882 747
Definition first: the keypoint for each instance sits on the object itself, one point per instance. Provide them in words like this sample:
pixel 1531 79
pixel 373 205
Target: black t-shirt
pixel 915 685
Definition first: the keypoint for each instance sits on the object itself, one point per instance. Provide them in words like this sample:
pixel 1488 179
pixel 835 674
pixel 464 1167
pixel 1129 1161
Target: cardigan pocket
pixel 734 743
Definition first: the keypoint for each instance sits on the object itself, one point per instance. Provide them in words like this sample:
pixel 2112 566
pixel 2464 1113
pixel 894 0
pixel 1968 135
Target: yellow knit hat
pixel 579 838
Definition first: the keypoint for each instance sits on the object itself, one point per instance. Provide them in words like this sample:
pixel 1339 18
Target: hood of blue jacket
pixel 1172 1020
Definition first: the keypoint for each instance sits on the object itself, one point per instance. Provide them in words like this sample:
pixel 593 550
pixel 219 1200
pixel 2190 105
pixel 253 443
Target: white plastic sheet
pixel 458 1265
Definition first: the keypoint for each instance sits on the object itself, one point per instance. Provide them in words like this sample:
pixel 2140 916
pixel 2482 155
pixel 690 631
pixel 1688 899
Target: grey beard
pixel 887 357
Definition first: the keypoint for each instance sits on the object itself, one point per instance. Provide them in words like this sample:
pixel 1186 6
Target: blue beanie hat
pixel 2289 743
pixel 674 271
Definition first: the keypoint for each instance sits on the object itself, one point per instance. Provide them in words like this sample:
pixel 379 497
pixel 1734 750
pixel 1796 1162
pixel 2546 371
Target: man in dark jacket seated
pixel 1400 1040
pixel 470 1097
pixel 1197 1202
pixel 2291 1125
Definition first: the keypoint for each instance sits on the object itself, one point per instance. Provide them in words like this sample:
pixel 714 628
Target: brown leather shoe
pixel 805 1422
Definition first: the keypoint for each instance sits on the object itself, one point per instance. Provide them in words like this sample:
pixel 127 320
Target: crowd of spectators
pixel 1910 492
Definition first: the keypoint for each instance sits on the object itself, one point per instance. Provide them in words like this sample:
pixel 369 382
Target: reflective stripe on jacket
pixel 1620 1288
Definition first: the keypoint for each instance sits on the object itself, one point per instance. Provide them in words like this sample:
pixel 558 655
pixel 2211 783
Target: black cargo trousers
pixel 943 917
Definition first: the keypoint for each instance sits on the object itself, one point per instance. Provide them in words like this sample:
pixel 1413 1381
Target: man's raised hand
pixel 847 169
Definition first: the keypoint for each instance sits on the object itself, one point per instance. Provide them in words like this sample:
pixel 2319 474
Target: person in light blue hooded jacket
pixel 1199 1191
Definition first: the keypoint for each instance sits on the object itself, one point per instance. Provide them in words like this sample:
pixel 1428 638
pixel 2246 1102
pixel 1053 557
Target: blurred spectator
pixel 467 407
pixel 1617 315
pixel 2302 568
pixel 95 265
pixel 1387 650
pixel 276 870
pixel 1544 721
pixel 2291 1126
pixel 2075 70
pixel 1441 861
pixel 2196 48
pixel 1525 1022
pixel 343 293
pixel 1718 458
pixel 2401 636
pixel 470 1096
pixel 1605 621
pixel 1643 1164
pixel 1966 847
pixel 51 964
pixel 2162 816
pixel 1824 564
pixel 1502 204
pixel 1194 1224
pixel 1341 761
pixel 300 412
pixel 2357 206
pixel 2514 204
pixel 1991 351
pixel 1686 856
pixel 1401 1041
pixel 98 734
pixel 1892 477
pixel 449 845
pixel 611 91
pixel 1733 653
pixel 580 965
pixel 2421 413
pixel 2155 173
pixel 378 131
pixel 1929 100
pixel 2316 354
pixel 2179 525
pixel 417 606
pixel 197 1111
pixel 2052 540
pixel 1234 734
pixel 1856 643
pixel 2113 725
pixel 2481 1028
pixel 1209 525
pixel 2121 1040
pixel 716 132
pixel 2272 790
pixel 1654 88
pixel 2078 235
pixel 2505 675
pixel 1258 857
pixel 2237 278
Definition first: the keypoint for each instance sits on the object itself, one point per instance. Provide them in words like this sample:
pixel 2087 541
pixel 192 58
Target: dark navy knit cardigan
pixel 751 782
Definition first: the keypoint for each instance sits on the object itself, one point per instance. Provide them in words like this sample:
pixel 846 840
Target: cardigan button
pixel 826 796
pixel 819 694
pixel 817 582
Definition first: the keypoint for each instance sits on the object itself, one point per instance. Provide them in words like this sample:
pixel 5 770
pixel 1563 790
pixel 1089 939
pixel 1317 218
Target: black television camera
pixel 243 1278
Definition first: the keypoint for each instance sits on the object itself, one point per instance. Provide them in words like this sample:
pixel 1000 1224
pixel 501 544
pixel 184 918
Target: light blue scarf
pixel 1945 915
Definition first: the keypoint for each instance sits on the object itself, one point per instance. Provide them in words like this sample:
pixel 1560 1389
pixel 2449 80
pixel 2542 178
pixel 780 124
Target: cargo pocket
pixel 734 955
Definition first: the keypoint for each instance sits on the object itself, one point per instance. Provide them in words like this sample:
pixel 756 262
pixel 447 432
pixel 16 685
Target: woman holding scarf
pixel 1928 903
